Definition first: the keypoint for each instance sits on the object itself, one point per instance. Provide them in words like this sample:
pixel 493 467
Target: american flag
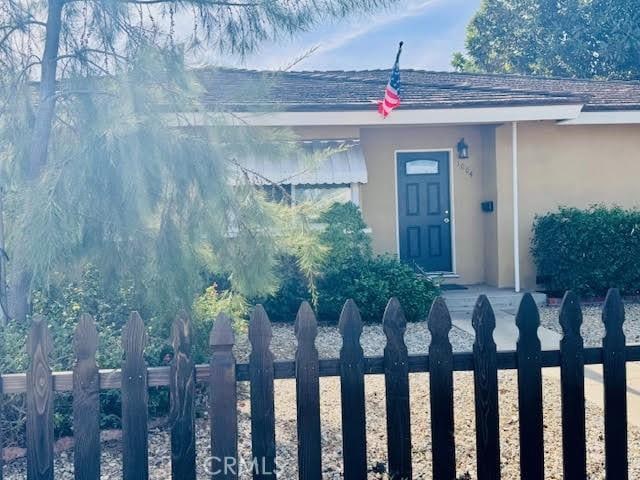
pixel 392 92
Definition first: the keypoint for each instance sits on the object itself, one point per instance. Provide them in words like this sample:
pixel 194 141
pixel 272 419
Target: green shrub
pixel 61 306
pixel 344 235
pixel 283 305
pixel 350 270
pixel 371 282
pixel 205 310
pixel 588 251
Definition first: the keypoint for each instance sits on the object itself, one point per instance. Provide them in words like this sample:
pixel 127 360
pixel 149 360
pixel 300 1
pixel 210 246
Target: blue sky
pixel 431 29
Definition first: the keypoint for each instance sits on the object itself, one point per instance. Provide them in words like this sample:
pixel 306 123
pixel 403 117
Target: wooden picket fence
pixel 134 378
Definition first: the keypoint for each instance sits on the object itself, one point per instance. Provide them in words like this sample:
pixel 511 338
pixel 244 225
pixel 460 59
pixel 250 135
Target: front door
pixel 424 210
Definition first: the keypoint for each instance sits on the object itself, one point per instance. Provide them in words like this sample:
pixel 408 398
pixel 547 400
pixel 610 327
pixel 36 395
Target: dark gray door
pixel 424 210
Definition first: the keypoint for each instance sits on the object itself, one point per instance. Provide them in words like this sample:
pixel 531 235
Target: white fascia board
pixel 371 118
pixel 612 117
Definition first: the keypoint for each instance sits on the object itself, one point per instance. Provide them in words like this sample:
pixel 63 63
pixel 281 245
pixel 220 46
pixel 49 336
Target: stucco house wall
pixel 379 195
pixel 558 165
pixel 575 166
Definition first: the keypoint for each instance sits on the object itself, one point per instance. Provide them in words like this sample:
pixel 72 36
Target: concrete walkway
pixel 506 332
pixel 506 336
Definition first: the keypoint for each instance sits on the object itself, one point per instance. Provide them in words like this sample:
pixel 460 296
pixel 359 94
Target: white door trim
pixel 452 209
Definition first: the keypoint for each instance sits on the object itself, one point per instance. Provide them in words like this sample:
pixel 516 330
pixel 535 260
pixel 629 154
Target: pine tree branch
pixel 212 3
pixel 81 54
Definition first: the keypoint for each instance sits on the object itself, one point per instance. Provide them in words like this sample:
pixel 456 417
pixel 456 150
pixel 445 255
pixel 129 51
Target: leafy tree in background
pixel 91 167
pixel 571 38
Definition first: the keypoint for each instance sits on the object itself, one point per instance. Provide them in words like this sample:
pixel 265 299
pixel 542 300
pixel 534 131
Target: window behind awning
pixel 345 165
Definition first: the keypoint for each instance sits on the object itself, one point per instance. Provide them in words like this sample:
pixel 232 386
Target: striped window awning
pixel 318 162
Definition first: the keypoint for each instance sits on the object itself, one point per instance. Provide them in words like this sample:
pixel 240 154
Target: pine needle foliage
pixel 85 158
pixel 127 191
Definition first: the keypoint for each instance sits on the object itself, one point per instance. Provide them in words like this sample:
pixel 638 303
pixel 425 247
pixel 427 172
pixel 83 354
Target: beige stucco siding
pixel 379 195
pixel 558 165
pixel 490 220
pixel 575 166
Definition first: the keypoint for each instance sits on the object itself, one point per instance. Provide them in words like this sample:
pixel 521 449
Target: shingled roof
pixel 250 90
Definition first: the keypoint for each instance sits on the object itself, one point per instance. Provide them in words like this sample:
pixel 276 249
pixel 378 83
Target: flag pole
pixel 399 52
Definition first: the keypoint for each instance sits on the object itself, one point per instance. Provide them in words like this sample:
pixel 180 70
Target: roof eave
pixel 370 117
pixel 605 117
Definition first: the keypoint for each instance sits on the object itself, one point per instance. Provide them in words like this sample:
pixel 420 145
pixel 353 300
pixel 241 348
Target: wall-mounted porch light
pixel 463 149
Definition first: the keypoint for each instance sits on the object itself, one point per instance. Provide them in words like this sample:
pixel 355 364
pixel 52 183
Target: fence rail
pixel 222 373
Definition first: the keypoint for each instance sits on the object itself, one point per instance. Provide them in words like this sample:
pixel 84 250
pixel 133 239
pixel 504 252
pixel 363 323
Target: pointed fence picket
pixel 182 413
pixel 615 388
pixel 223 412
pixel 354 431
pixel 529 353
pixel 1 434
pixel 263 417
pixel 485 375
pixel 396 379
pixel 574 443
pixel 39 403
pixel 135 452
pixel 441 392
pixel 223 373
pixel 308 395
pixel 86 401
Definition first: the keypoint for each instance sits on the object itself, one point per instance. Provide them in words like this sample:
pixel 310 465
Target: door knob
pixel 446 220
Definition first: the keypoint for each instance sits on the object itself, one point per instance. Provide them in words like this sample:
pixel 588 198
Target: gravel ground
pixel 592 328
pixel 329 341
pixel 373 343
pixel 376 434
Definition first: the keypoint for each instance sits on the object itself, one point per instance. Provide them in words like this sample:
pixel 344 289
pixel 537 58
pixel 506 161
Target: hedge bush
pixel 61 306
pixel 351 270
pixel 588 251
pixel 110 307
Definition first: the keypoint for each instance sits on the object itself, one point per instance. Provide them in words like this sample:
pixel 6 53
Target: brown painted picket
pixel 574 442
pixel 485 375
pixel 86 401
pixel 530 416
pixel 182 414
pixel 223 412
pixel 39 403
pixel 396 376
pixel 223 373
pixel 135 451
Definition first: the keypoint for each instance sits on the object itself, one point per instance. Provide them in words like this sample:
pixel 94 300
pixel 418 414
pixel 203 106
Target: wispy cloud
pixel 381 20
pixel 432 30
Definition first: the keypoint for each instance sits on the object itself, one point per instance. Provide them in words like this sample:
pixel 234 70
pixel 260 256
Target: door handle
pixel 446 220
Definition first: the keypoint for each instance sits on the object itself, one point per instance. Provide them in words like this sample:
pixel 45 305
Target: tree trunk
pixel 47 99
pixel 4 307
pixel 19 294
